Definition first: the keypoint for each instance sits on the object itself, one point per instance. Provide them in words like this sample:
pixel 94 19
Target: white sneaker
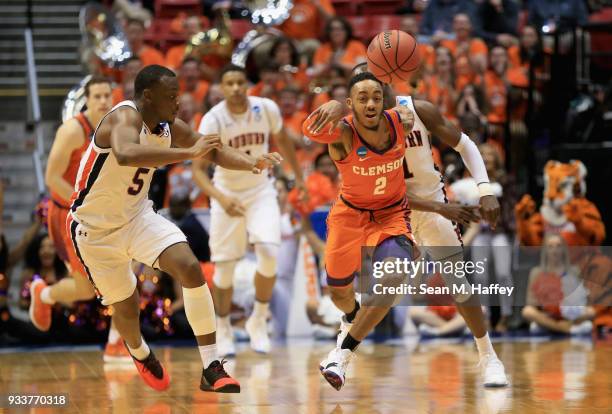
pixel 335 365
pixel 225 339
pixel 583 328
pixel 345 327
pixel 493 371
pixel 257 328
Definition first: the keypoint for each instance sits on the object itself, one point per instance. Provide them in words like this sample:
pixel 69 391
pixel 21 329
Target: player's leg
pixel 227 245
pixel 502 258
pixel 158 243
pixel 263 226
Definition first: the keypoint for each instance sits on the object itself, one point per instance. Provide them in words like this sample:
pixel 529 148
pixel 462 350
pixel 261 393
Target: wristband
pixel 485 189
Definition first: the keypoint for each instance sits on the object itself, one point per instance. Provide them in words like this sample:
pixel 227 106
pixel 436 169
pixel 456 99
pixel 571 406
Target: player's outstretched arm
pixel 125 137
pixel 323 124
pixel 452 136
pixel 69 137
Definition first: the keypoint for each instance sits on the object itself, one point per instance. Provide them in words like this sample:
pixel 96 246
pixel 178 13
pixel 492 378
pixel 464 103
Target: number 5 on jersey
pixel 137 181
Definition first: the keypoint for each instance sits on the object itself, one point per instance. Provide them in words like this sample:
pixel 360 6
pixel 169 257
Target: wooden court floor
pixel 406 377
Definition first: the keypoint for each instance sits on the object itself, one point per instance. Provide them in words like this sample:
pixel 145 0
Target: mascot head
pixel 562 182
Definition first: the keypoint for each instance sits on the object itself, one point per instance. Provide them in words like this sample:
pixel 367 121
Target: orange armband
pixel 325 136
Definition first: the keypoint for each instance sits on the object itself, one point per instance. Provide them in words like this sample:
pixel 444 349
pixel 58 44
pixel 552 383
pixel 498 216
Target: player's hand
pixel 266 161
pixel 406 116
pixel 489 210
pixel 232 206
pixel 205 144
pixel 459 213
pixel 330 112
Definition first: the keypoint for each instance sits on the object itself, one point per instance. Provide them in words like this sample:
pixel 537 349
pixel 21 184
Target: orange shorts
pixel 348 230
pixel 56 222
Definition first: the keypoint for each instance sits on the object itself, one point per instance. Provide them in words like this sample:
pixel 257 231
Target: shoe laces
pixel 217 368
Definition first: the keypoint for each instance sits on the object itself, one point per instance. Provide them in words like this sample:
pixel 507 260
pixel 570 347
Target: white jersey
pixel 248 132
pixel 424 178
pixel 108 195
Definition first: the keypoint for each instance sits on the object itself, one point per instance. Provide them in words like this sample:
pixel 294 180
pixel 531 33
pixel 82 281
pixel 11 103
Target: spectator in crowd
pixel 192 25
pixel 126 89
pixel 292 71
pixel 180 182
pixel 287 258
pixel 131 9
pixel 529 51
pixel 269 82
pixel 488 244
pixel 340 48
pixel 409 24
pixel 549 16
pixel 339 92
pixel 555 297
pixel 413 6
pixel 472 103
pixel 438 17
pixel 440 316
pixel 135 31
pixel 213 97
pixel 189 80
pixel 439 87
pixel 305 20
pixel 464 45
pixel 188 110
pixel 499 21
pixel 335 76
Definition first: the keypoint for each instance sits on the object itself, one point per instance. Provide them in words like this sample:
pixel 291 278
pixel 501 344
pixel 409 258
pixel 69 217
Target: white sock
pixel 261 309
pixel 224 320
pixel 113 335
pixel 484 345
pixel 208 353
pixel 142 352
pixel 45 296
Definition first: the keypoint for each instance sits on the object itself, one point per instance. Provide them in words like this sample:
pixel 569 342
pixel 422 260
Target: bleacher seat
pixel 346 7
pixel 380 23
pixel 377 7
pixel 170 8
pixel 360 26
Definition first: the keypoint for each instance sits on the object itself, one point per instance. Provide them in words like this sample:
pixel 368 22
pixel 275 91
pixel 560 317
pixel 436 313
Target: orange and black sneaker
pixel 215 379
pixel 152 372
pixel 40 312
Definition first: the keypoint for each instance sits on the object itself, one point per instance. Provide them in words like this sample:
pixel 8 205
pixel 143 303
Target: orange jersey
pixel 75 158
pixel 373 179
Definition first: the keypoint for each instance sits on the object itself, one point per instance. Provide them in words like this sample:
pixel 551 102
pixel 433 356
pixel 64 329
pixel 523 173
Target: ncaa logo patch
pixel 362 151
pixel 257 113
pixel 402 101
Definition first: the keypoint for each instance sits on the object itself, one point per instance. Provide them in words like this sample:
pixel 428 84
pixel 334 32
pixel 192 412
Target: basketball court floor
pixel 547 376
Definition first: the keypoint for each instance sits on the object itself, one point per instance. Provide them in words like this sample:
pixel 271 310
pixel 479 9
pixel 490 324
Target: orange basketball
pixel 393 56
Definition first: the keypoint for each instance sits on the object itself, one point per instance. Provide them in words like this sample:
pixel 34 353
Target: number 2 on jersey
pixel 381 184
pixel 138 182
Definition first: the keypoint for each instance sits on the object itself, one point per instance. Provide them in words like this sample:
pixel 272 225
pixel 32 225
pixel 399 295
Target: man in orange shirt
pixel 465 45
pixel 126 89
pixel 496 87
pixel 71 140
pixel 148 55
pixel 176 54
pixel 305 21
pixel 189 80
pixel 409 25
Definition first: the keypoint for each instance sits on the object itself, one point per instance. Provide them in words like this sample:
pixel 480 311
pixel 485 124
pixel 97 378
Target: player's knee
pixel 223 277
pixel 266 254
pixel 341 293
pixel 193 274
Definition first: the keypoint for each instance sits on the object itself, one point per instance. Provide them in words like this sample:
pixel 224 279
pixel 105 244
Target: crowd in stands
pixel 486 65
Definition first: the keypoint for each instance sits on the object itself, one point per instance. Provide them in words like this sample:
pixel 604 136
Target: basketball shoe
pixel 225 338
pixel 116 353
pixel 215 379
pixel 493 371
pixel 257 328
pixel 152 372
pixel 334 367
pixel 40 312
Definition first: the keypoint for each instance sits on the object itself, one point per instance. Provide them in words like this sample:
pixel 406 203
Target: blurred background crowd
pixel 511 74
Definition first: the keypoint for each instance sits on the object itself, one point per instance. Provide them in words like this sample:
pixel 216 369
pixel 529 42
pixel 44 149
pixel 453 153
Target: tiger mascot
pixel 566 211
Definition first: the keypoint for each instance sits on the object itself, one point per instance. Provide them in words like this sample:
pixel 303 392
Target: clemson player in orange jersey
pixel 368 148
pixel 71 140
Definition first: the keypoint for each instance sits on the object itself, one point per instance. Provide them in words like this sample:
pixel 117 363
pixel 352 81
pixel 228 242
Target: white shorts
pixel 228 235
pixel 107 254
pixel 433 230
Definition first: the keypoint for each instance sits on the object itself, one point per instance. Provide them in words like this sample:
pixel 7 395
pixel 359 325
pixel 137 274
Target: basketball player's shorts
pixel 107 253
pixel 56 223
pixel 261 222
pixel 349 229
pixel 432 230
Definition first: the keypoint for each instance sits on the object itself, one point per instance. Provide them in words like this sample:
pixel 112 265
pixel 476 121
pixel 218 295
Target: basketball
pixel 393 56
